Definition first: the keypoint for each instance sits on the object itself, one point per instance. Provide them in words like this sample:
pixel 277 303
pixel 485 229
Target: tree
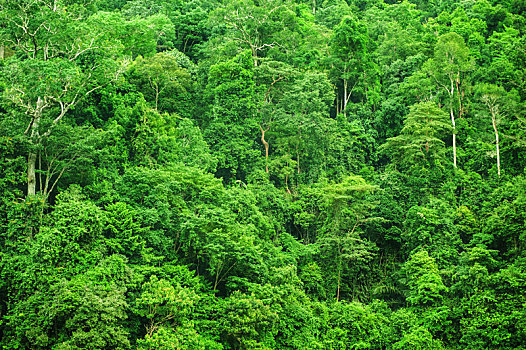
pixel 302 123
pixel 62 57
pixel 246 321
pixel 448 67
pixel 492 97
pixel 232 125
pixel 424 279
pixel 421 137
pixel 255 25
pixel 163 304
pixel 161 76
pixel 347 208
pixel 349 46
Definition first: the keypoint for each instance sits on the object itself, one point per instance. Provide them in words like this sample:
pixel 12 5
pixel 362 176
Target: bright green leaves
pixel 164 82
pixel 231 85
pixel 168 139
pixel 349 42
pixel 247 322
pixel 343 252
pixel 451 57
pixel 265 28
pixel 350 62
pixel 424 281
pixel 163 304
pixel 232 125
pixel 183 338
pixel 60 59
pixel 421 139
pixel 93 310
pixel 212 202
pixel 302 125
pixel 124 232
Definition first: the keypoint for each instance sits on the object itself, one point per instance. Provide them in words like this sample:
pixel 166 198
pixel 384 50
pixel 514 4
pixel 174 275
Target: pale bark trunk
pixel 494 122
pixel 265 143
pixel 454 136
pixel 32 156
pixel 345 97
pixel 453 123
pixel 2 52
pixel 31 170
pixel 216 282
pixel 254 54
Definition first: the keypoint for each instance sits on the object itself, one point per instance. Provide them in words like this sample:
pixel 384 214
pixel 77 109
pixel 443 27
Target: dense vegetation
pixel 262 174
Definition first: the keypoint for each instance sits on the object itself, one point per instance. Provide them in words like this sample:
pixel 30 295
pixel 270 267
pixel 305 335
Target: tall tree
pixel 349 57
pixel 347 210
pixel 448 67
pixel 233 124
pixel 421 139
pixel 491 96
pixel 255 25
pixel 62 55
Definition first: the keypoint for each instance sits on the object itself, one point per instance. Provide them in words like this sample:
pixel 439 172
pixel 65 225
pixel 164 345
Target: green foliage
pixel 421 139
pixel 262 174
pixel 166 85
pixel 232 125
pixel 424 281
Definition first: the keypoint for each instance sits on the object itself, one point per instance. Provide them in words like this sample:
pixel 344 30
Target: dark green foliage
pixel 262 174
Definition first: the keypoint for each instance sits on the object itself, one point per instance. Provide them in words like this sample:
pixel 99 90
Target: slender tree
pixel 448 67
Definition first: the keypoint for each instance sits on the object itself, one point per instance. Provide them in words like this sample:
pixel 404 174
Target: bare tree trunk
pixel 265 143
pixel 2 52
pixel 287 183
pixel 345 97
pixel 31 170
pixel 452 114
pixel 216 282
pixel 32 156
pixel 494 122
pixel 254 54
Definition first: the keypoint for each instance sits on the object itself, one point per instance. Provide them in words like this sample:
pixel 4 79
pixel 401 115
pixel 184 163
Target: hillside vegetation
pixel 262 174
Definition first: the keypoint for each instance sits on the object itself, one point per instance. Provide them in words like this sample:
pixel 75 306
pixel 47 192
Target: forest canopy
pixel 262 174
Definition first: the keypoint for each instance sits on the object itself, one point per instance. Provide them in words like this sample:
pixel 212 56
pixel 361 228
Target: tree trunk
pixel 454 137
pixel 265 143
pixel 452 114
pixel 287 183
pixel 494 122
pixel 344 97
pixel 32 156
pixel 254 54
pixel 31 171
